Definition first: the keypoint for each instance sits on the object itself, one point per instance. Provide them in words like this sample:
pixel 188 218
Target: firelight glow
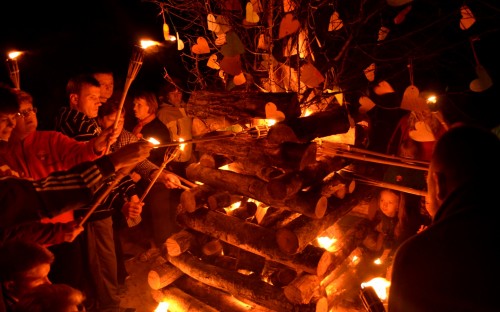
pixel 380 285
pixel 182 146
pixel 233 206
pixel 162 307
pixel 432 99
pixel 148 43
pixel 14 54
pixel 326 242
pixel 153 140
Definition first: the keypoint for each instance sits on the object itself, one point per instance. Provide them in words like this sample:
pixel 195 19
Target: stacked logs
pixel 249 237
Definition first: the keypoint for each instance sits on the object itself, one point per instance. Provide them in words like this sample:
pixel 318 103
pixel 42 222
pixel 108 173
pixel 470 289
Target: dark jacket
pixel 454 264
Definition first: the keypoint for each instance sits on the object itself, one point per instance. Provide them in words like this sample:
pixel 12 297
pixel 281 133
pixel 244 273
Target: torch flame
pixel 14 54
pixel 162 307
pixel 153 140
pixel 380 285
pixel 148 43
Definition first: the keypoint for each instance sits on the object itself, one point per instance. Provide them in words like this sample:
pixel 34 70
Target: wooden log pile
pixel 250 233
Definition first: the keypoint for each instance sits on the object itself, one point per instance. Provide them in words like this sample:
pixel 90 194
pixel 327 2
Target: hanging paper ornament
pixel 166 32
pixel 233 45
pixel 467 19
pixel 288 6
pixel 221 39
pixel 288 26
pixel 412 100
pixel 239 79
pixel 212 62
pixel 212 23
pixel 422 133
pixel 411 97
pixel 180 43
pixel 310 75
pixel 335 22
pixel 366 104
pixel 303 44
pixel 222 75
pixel 251 17
pixel 370 72
pixel 402 15
pixel 263 43
pixel 383 87
pixel 201 46
pixel 382 33
pixel 396 3
pixel 272 112
pixel 483 80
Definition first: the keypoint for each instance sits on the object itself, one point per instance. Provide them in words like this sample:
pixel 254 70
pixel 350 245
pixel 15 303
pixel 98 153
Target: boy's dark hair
pixel 75 83
pixel 110 106
pixel 19 256
pixel 9 103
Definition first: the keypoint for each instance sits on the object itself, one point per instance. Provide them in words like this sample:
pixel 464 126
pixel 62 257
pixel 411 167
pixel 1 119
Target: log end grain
pixel 287 241
pixel 321 207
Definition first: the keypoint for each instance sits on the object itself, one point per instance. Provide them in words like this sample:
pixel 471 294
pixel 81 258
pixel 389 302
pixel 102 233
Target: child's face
pixel 388 203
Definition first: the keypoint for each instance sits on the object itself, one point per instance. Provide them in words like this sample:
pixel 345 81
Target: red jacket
pixel 44 152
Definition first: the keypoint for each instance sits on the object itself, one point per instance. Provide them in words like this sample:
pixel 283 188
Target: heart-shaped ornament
pixel 221 39
pixel 370 72
pixel 467 18
pixel 263 43
pixel 422 133
pixel 272 112
pixel 288 26
pixel 402 15
pixel 212 62
pixel 180 43
pixel 366 104
pixel 311 76
pixel 335 22
pixel 382 33
pixel 166 32
pixel 412 100
pixel 212 23
pixel 201 46
pixel 251 16
pixel 383 87
pixel 483 80
pixel 239 79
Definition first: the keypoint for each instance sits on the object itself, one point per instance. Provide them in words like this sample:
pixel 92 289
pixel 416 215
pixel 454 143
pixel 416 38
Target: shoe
pixel 152 253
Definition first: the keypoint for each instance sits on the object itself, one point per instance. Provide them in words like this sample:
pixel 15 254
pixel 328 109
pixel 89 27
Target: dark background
pixel 61 39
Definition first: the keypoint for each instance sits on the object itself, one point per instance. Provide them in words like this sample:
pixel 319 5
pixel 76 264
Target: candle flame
pixel 380 285
pixel 148 43
pixel 162 307
pixel 14 54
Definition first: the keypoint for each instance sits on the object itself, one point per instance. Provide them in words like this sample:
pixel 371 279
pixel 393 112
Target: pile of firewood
pixel 251 225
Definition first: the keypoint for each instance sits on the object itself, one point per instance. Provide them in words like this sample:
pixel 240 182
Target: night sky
pixel 61 39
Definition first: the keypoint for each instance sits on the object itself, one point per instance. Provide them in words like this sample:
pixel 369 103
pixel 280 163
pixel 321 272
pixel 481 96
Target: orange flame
pixel 14 54
pixel 380 285
pixel 148 43
pixel 162 307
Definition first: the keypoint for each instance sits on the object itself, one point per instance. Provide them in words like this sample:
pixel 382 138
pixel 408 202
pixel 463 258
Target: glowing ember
pixel 380 285
pixel 377 261
pixel 14 54
pixel 148 43
pixel 326 242
pixel 307 112
pixel 234 206
pixel 162 307
pixel 432 99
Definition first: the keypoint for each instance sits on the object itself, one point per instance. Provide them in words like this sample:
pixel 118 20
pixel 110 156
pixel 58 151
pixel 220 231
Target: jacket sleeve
pixel 41 233
pixel 25 201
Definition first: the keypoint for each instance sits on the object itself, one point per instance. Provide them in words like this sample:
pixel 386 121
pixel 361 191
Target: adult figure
pixel 106 82
pixel 172 113
pixel 162 199
pixel 453 264
pixel 79 121
pixel 148 125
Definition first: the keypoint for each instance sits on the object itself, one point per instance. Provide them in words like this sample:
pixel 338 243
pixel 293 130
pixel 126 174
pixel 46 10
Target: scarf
pixel 138 128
